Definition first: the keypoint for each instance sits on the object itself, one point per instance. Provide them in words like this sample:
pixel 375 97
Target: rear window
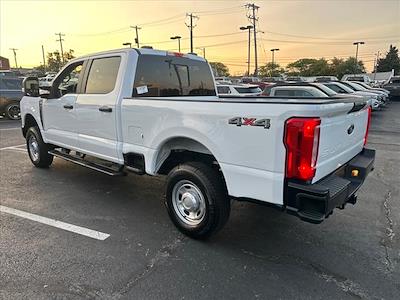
pixel 170 76
pixel 10 84
pixel 248 90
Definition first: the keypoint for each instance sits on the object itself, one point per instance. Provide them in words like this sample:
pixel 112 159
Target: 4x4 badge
pixel 350 129
pixel 242 121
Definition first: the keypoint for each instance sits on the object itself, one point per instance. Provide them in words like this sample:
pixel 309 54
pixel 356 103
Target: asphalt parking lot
pixel 261 253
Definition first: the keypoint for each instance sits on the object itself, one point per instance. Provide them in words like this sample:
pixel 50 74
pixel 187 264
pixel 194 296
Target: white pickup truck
pixel 156 113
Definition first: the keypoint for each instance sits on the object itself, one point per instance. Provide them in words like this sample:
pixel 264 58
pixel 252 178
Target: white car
pixel 45 81
pixel 293 90
pixel 342 88
pixel 359 77
pixel 303 156
pixel 239 90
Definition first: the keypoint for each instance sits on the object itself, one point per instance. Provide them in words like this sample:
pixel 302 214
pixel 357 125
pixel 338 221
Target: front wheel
pixel 196 199
pixel 37 148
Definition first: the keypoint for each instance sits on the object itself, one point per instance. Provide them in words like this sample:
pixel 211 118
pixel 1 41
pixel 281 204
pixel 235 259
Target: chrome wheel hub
pixel 188 202
pixel 33 148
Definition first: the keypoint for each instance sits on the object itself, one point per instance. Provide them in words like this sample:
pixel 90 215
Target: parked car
pixel 368 87
pixel 325 78
pixel 240 90
pixel 128 118
pixel 10 96
pixel 382 96
pixel 45 81
pixel 361 78
pixel 294 90
pixel 342 88
pixel 393 86
pixel 255 81
pixel 223 79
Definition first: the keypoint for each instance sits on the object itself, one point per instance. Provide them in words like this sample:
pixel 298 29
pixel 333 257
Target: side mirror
pixel 30 87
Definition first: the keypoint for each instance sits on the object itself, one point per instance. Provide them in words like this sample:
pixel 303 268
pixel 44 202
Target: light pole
pixel 273 54
pixel 249 28
pixel 177 37
pixel 273 59
pixel 357 43
pixel 127 44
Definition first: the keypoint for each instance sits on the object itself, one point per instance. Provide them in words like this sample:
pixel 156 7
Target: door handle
pixel 68 106
pixel 105 109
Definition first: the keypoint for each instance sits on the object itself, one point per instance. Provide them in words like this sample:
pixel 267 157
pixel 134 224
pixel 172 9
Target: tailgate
pixel 341 138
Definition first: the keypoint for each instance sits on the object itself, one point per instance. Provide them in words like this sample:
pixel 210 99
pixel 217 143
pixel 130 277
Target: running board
pixel 87 164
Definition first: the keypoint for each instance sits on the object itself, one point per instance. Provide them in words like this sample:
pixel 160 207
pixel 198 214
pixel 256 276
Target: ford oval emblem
pixel 350 129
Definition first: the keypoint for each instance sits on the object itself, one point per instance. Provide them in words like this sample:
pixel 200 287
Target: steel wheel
pixel 188 202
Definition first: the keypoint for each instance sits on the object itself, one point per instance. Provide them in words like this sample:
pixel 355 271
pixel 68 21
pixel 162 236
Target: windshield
pixel 353 86
pixel 248 90
pixel 11 84
pixel 361 88
pixel 344 87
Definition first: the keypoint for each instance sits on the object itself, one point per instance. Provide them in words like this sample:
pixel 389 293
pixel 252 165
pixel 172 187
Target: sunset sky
pixel 298 28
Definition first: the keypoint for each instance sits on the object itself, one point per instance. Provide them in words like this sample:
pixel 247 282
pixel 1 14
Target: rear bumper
pixel 315 202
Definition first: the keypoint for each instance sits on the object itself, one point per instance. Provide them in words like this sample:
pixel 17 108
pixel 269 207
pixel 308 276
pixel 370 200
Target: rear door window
pixel 170 76
pixel 102 75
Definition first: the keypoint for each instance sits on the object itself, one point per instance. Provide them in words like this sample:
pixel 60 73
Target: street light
pixel 273 54
pixel 357 43
pixel 177 37
pixel 127 44
pixel 249 28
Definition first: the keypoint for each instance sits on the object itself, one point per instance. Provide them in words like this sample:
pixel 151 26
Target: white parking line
pixel 55 223
pixel 11 147
pixel 12 128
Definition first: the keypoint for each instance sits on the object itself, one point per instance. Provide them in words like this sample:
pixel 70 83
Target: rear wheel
pixel 196 199
pixel 13 112
pixel 37 149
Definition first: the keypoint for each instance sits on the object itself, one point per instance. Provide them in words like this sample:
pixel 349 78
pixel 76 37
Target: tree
pixel 339 66
pixel 271 70
pixel 54 61
pixel 309 67
pixel 390 62
pixel 219 69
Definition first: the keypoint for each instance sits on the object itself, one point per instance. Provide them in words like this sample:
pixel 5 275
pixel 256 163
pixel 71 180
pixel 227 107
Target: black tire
pixel 212 187
pixel 40 156
pixel 13 112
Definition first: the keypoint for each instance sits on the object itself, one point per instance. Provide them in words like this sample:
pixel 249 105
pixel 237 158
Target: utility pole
pixel 253 19
pixel 357 43
pixel 44 60
pixel 60 39
pixel 376 65
pixel 191 26
pixel 14 50
pixel 248 27
pixel 137 34
pixel 204 51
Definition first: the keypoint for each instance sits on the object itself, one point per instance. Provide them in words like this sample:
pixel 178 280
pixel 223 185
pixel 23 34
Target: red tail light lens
pixel 368 123
pixel 301 141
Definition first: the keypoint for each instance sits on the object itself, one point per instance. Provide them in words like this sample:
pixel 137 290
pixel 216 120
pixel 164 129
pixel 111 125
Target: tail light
pixel 301 141
pixel 368 123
